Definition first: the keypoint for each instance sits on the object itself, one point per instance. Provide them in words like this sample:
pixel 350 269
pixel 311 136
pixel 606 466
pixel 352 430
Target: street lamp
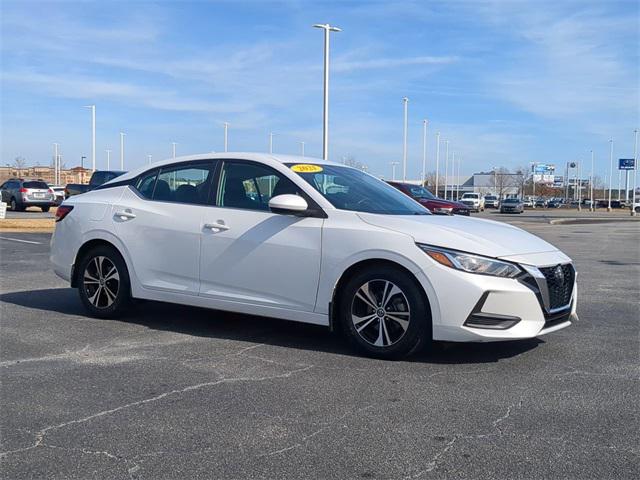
pixel 122 150
pixel 93 136
pixel 325 122
pixel 437 162
pixel 424 149
pixel 610 172
pixel 446 167
pixel 173 145
pixel 55 163
pixel 302 149
pixel 226 137
pixel 635 172
pixel 108 159
pixel 271 134
pixel 149 157
pixel 393 170
pixel 592 205
pixel 405 104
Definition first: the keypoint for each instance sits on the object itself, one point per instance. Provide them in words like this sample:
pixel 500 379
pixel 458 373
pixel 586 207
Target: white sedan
pixel 310 241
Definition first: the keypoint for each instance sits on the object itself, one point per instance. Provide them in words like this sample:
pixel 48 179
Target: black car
pixel 97 178
pixel 20 194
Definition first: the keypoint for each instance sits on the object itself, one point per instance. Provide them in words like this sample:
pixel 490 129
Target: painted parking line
pixel 21 241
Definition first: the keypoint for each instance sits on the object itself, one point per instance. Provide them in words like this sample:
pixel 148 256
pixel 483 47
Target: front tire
pixel 103 283
pixel 384 314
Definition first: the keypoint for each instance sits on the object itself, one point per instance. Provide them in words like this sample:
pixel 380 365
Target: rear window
pixel 41 185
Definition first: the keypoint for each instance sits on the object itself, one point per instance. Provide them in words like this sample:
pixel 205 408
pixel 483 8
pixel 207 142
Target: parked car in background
pixel 541 202
pixel 511 205
pixel 555 203
pixel 528 202
pixel 491 201
pixel 98 178
pixel 316 242
pixel 636 206
pixel 474 201
pixel 19 194
pixel 436 205
pixel 58 191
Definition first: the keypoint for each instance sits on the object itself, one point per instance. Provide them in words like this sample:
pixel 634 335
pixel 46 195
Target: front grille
pixel 560 281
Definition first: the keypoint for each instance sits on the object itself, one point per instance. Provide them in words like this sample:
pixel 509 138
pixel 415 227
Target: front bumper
pixel 479 308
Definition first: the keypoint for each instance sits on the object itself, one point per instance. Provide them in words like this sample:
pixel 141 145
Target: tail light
pixel 51 191
pixel 24 190
pixel 63 211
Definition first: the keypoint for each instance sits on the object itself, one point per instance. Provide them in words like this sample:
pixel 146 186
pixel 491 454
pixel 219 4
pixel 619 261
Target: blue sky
pixel 507 82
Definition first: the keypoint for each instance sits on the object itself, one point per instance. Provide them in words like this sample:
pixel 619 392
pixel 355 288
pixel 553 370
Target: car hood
pixel 468 234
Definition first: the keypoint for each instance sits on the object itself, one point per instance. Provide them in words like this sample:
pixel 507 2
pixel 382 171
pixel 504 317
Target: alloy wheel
pixel 101 282
pixel 380 313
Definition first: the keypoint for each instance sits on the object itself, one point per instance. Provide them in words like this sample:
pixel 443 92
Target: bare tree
pixel 503 180
pixel 350 161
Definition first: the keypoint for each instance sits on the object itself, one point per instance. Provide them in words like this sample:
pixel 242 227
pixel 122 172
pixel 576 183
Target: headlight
pixel 444 210
pixel 471 263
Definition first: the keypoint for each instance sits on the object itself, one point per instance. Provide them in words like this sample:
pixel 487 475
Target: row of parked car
pixel 20 193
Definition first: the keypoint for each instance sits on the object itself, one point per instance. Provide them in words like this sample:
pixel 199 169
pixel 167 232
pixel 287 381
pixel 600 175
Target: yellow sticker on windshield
pixel 306 168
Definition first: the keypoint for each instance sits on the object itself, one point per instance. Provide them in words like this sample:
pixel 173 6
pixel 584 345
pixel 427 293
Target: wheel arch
pixel 87 246
pixel 363 265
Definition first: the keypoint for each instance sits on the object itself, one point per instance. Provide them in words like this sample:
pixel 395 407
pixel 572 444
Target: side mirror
pixel 288 204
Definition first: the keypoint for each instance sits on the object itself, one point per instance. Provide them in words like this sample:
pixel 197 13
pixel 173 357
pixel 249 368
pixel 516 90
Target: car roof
pixel 266 158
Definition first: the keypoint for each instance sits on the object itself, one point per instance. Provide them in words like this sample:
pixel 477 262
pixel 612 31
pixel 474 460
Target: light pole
pixel 495 182
pixel 271 142
pixel 453 171
pixel 149 157
pixel 93 136
pixel 610 172
pixel 325 122
pixel 446 167
pixel 302 149
pixel 405 105
pixel 108 159
pixel 578 196
pixel 55 163
pixel 458 182
pixel 635 172
pixel 226 137
pixel 437 161
pixel 393 171
pixel 424 150
pixel 592 207
pixel 122 150
pixel 59 179
pixel 173 147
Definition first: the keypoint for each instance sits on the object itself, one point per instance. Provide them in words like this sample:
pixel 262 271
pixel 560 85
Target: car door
pixel 251 255
pixel 159 220
pixel 3 194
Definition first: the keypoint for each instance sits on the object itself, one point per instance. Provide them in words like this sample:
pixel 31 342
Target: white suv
pixel 310 241
pixel 474 201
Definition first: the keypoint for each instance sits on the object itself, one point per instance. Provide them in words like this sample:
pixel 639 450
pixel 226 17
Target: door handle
pixel 216 226
pixel 125 215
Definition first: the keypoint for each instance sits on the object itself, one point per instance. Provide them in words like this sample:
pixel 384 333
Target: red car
pixel 429 200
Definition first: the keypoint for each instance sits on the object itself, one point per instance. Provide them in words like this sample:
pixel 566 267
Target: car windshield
pixel 489 197
pixel 420 192
pixel 350 189
pixel 512 200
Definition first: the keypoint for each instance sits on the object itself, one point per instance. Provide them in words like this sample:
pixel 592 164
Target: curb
pixel 577 221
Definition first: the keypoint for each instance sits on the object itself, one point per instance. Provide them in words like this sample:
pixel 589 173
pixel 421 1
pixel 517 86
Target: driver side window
pixel 250 186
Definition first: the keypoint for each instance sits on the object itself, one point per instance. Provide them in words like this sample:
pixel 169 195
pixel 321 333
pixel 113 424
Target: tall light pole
pixel 458 182
pixel 405 105
pixel 226 137
pixel 93 136
pixel 325 122
pixel 271 142
pixel 579 184
pixel 635 172
pixel 108 159
pixel 446 167
pixel 122 134
pixel 593 203
pixel 437 161
pixel 173 148
pixel 55 163
pixel 302 149
pixel 393 171
pixel 149 157
pixel 424 150
pixel 610 172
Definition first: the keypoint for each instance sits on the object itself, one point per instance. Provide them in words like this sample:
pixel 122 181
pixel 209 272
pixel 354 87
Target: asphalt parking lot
pixel 179 392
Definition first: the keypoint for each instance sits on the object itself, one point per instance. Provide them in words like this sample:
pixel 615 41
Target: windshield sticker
pixel 306 168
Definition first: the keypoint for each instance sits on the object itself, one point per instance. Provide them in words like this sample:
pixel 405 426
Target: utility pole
pixel 108 159
pixel 149 158
pixel 424 150
pixel 437 161
pixel 226 138
pixel 173 145
pixel 271 143
pixel 446 167
pixel 592 206
pixel 55 163
pixel 405 104
pixel 325 121
pixel 302 149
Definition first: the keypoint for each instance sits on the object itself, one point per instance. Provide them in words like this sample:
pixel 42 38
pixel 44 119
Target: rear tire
pixel 103 282
pixel 45 209
pixel 384 314
pixel 12 205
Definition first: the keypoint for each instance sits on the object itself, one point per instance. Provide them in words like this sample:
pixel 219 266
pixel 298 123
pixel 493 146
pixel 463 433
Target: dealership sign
pixel 626 164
